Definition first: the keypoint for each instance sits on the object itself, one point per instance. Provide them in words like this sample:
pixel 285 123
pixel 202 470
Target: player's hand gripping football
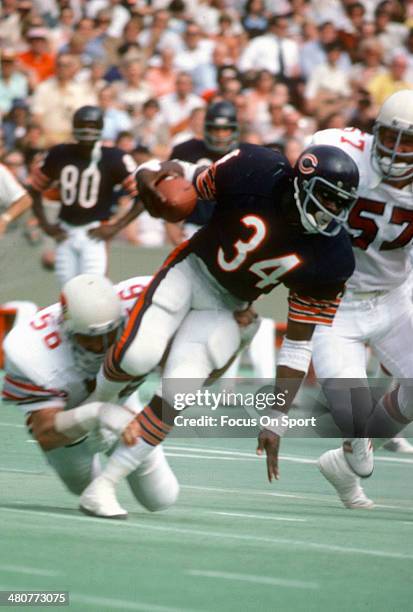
pixel 148 180
pixel 270 443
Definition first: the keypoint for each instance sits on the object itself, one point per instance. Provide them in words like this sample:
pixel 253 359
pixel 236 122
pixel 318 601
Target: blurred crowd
pixel 290 67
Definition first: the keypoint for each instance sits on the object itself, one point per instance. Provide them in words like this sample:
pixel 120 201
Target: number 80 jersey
pixel 86 189
pixel 380 222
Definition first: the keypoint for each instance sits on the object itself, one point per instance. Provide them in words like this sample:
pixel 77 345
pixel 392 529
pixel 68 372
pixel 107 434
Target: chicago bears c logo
pixel 308 163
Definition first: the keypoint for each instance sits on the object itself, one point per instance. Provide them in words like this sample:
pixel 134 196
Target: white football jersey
pixel 380 222
pixel 41 371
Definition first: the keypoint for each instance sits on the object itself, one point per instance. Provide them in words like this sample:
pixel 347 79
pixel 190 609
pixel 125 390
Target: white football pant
pixel 80 253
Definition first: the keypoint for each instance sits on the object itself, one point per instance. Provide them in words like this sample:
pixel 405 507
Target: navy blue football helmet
pixel 325 187
pixel 221 115
pixel 88 124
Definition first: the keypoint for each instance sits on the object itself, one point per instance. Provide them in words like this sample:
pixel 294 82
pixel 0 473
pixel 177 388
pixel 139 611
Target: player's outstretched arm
pixel 17 208
pixel 293 363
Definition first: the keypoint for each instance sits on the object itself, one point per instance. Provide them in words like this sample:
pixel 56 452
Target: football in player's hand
pixel 180 198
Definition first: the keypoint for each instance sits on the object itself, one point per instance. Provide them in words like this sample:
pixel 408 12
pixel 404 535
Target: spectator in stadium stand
pixel 161 74
pixel 197 49
pixel 206 75
pixel 231 34
pixel 229 90
pixel 313 53
pixel 13 83
pixel 115 120
pixel 387 31
pixel 133 90
pixel 393 79
pixel 370 64
pixel 158 36
pixel 254 19
pixel 328 88
pixel 55 100
pixel 130 33
pixel 37 62
pixel 258 97
pixel 273 51
pixel 15 123
pixel 151 129
pixel 351 35
pixel 176 107
pixel 61 33
pixel 272 129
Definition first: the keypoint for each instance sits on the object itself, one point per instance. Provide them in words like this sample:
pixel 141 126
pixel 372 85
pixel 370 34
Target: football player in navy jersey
pixel 221 135
pixel 272 224
pixel 88 174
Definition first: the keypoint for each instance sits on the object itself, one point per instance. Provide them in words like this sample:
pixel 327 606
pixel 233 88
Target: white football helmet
pixel 90 307
pixel 396 114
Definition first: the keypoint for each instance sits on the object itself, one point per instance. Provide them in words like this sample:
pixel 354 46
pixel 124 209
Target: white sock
pixel 125 460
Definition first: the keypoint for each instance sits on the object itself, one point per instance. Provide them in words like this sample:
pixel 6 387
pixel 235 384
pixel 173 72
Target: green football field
pixel 232 543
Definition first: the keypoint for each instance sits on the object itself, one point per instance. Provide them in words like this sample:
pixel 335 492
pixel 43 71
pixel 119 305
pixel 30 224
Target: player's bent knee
pixel 149 345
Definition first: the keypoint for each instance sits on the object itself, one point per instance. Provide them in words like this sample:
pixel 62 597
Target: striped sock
pixel 154 429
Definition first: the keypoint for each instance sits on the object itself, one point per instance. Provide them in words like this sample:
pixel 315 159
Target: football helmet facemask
pixel 87 124
pixel 325 187
pixel 221 115
pixel 392 149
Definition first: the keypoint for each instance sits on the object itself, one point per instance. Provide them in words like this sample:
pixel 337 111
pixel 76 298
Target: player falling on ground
pixel 51 364
pixel 377 308
pixel 88 174
pixel 272 224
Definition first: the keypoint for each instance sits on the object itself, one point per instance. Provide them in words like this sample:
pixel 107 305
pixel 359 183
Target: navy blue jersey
pixel 250 246
pixel 196 151
pixel 86 189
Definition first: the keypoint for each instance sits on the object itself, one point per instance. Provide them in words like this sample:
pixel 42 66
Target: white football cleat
pixel 99 499
pixel 398 445
pixel 358 453
pixel 335 469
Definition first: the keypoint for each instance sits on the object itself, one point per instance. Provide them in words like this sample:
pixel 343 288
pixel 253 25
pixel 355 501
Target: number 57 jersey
pixel 380 222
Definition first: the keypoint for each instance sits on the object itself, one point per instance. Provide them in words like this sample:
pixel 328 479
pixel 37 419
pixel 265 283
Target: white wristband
pixel 276 421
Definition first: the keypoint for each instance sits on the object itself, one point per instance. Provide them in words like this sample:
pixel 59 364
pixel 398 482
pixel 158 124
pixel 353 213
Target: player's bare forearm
pixel 14 211
pixel 290 373
pixel 55 231
pixel 108 230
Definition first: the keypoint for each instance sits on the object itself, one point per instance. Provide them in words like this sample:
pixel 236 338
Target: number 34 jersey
pixel 250 245
pixel 86 187
pixel 380 222
pixel 41 370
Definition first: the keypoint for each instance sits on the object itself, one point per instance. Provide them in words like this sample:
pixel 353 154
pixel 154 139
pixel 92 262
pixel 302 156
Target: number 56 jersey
pixel 41 368
pixel 380 222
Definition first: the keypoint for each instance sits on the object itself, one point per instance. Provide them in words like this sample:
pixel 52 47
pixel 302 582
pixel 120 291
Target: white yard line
pixel 4 424
pixel 223 535
pixel 32 571
pixel 121 604
pixel 292 458
pixel 270 581
pixel 261 517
